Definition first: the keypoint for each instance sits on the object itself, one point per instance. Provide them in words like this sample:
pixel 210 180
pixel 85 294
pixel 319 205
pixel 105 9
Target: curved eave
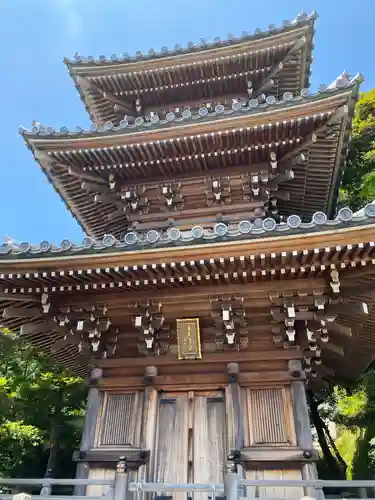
pixel 281 238
pixel 102 137
pixel 185 56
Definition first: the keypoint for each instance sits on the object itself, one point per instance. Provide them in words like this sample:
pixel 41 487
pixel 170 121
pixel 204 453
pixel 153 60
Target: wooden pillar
pixel 303 426
pixel 88 433
pixel 234 410
pixel 148 428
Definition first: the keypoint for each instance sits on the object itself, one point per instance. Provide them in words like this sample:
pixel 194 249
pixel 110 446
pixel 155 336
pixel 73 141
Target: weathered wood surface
pixel 301 411
pixel 99 490
pixel 209 439
pixel 269 417
pixel 119 424
pixel 271 492
pixel 171 460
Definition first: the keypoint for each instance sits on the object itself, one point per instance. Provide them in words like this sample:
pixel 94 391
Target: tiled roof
pixel 244 230
pixel 301 20
pixel 253 105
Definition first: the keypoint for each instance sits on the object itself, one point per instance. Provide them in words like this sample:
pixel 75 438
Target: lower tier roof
pixel 314 290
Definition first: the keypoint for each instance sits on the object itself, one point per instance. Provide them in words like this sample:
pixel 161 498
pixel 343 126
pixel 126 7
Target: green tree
pixel 41 412
pixel 358 183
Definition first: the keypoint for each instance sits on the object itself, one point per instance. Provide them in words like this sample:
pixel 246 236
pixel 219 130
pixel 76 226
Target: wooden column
pixel 302 424
pixel 148 428
pixel 234 410
pixel 88 433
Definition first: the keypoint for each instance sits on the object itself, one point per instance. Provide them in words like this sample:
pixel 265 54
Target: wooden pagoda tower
pixel 217 279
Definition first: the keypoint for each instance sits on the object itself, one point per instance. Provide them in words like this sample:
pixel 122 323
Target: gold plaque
pixel 188 339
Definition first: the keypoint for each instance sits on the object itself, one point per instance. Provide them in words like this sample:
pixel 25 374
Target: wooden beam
pixel 209 358
pixel 22 312
pixel 18 297
pixel 301 42
pixel 35 328
pixel 230 171
pixel 81 174
pixel 109 96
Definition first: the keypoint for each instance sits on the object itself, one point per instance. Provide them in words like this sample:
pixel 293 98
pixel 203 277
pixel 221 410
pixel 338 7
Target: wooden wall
pixel 190 433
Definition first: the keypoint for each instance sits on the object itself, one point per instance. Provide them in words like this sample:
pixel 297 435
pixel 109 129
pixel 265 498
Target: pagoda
pixel 217 280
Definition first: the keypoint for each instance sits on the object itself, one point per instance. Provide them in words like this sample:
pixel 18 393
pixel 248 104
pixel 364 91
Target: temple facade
pixel 217 281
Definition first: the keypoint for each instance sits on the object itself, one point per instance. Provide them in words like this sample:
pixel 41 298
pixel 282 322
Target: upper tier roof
pixel 203 145
pixel 209 71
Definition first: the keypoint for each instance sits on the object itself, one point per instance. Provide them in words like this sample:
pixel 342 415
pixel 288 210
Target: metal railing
pixel 233 487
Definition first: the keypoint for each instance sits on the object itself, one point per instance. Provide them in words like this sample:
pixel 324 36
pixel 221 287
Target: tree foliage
pixel 358 183
pixel 41 410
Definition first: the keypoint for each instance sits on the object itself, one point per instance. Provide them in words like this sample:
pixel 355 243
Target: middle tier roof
pixel 227 144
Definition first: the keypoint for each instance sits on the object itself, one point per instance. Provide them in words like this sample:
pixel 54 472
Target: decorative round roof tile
pixel 203 111
pixel 63 130
pixel 219 108
pixel 322 87
pixel 287 96
pixel 319 218
pixel 130 238
pixel 152 236
pixel 197 232
pixel 294 221
pixel 45 246
pixel 139 121
pixel 174 234
pixel 154 119
pixel 66 245
pixel 170 116
pixel 124 123
pixel 271 99
pixel 345 214
pixel 236 106
pixel 305 93
pixel 114 57
pixel 25 247
pixel 87 243
pixel 35 130
pixel 253 103
pixel 221 229
pixel 244 227
pixel 4 248
pixel 164 49
pixel 269 224
pixel 50 130
pixel 186 113
pixel 109 240
pixel 370 210
pixel 78 129
pixel 108 126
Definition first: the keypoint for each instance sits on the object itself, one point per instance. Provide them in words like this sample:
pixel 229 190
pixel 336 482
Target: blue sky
pixel 35 36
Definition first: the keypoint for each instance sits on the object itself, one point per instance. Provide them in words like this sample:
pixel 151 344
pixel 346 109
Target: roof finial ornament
pixel 341 81
pixel 302 16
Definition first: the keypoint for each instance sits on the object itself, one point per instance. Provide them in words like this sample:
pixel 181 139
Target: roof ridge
pixel 301 19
